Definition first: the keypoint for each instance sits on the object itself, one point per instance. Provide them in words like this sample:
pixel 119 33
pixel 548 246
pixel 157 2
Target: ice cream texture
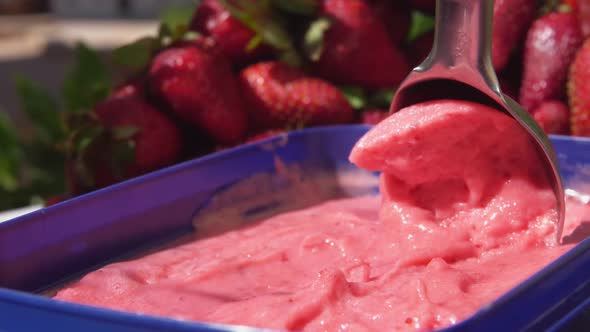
pixel 465 213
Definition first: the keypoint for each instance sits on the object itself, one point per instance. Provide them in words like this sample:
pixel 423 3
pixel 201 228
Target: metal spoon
pixel 459 66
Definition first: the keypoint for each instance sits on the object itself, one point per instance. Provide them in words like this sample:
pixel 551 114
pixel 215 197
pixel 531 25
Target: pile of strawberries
pixel 245 70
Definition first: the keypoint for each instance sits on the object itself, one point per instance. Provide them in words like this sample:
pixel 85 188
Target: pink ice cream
pixel 461 173
pixel 465 214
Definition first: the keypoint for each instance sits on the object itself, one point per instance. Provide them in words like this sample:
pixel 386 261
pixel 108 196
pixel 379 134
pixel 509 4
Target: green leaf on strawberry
pixel 174 26
pixel 176 19
pixel 267 25
pixel 124 133
pixel 258 17
pixel 548 6
pixel 87 83
pixel 421 24
pixel 83 138
pixel 136 55
pixel 355 95
pixel 123 153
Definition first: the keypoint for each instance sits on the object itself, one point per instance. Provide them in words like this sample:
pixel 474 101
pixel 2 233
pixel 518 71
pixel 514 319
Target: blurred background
pixel 37 37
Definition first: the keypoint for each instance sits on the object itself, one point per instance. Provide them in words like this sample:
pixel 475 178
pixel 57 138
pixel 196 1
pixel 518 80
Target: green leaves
pixel 39 164
pixel 27 169
pixel 41 109
pixel 124 133
pixel 123 153
pixel 10 155
pixel 35 167
pixel 136 55
pixel 360 99
pixel 174 25
pixel 87 83
pixel 421 24
pixel 175 18
pixel 267 26
pixel 356 96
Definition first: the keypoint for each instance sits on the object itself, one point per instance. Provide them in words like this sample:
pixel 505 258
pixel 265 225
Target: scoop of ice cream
pixel 458 164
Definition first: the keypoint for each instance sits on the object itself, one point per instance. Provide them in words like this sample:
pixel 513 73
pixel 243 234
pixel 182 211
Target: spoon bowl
pixel 459 67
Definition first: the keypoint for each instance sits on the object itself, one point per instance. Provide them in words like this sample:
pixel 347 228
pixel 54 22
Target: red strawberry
pixel 579 91
pixel 553 117
pixel 550 47
pixel 582 10
pixel 122 138
pixel 201 89
pixel 355 48
pixel 231 36
pixel 511 21
pixel 265 134
pixel 395 16
pixel 584 16
pixel 373 116
pixel 280 96
pixel 157 141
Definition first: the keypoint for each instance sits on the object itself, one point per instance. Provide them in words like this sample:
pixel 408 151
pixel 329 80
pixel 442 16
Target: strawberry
pixel 578 91
pixel 550 46
pixel 265 134
pixel 373 116
pixel 584 16
pixel 395 16
pixel 511 21
pixel 280 96
pixel 231 36
pixel 246 30
pixel 352 46
pixel 157 141
pixel 582 10
pixel 553 117
pixel 200 88
pixel 122 138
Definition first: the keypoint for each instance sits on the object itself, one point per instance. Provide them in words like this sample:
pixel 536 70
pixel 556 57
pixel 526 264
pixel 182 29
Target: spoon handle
pixel 463 34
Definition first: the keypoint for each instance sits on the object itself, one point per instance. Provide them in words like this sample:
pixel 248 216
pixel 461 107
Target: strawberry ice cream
pixel 466 212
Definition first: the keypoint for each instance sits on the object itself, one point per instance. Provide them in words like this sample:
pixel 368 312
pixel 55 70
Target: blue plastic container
pixel 44 248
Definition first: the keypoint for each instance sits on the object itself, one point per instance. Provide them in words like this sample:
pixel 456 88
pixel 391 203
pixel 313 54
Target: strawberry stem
pixel 555 6
pixel 314 38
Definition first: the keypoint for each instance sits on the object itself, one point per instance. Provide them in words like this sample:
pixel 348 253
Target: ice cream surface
pixel 465 213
